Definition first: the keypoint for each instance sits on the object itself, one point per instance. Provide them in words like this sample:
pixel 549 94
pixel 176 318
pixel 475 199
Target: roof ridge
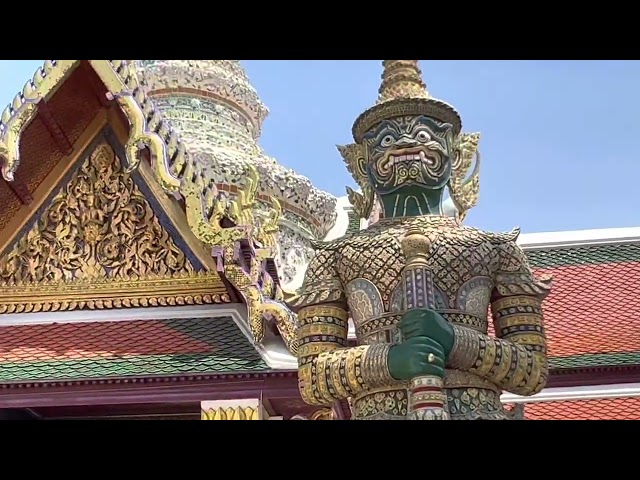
pixel 175 170
pixel 49 76
pixel 579 238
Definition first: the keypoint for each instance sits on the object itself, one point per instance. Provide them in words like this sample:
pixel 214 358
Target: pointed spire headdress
pixel 403 92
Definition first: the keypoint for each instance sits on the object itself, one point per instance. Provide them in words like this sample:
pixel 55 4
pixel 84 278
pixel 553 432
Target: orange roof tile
pixel 119 348
pixel 593 309
pixel 64 341
pixel 627 408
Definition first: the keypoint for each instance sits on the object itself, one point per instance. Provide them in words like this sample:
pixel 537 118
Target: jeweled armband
pixel 466 348
pixel 375 366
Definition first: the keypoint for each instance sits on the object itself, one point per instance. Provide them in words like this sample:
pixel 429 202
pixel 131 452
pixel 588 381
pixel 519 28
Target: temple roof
pixel 116 75
pixel 626 408
pixel 591 321
pixel 592 313
pixel 136 229
pixel 135 348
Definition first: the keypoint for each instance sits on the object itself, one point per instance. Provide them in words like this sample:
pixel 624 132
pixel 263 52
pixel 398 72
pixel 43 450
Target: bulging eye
pixel 387 140
pixel 422 137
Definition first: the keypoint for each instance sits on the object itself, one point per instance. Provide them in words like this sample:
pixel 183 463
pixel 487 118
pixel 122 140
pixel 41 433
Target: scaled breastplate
pixel 462 261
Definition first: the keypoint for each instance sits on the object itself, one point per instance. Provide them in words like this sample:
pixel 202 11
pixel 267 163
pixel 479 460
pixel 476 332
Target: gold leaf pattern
pixel 99 225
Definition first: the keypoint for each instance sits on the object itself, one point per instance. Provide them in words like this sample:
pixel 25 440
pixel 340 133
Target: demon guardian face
pixel 412 151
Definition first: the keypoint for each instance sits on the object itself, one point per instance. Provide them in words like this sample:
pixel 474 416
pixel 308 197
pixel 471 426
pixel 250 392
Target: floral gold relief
pixel 99 225
pixel 99 244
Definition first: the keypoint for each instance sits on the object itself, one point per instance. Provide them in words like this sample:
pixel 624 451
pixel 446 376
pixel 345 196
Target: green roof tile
pixel 120 349
pixel 596 360
pixel 597 254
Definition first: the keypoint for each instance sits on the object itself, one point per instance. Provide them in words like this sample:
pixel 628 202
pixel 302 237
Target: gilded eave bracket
pixel 261 293
pixel 122 86
pixel 23 109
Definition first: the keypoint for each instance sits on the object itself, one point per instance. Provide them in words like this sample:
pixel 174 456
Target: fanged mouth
pixel 405 156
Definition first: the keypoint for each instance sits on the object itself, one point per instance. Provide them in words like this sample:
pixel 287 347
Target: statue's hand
pixel 430 324
pixel 409 359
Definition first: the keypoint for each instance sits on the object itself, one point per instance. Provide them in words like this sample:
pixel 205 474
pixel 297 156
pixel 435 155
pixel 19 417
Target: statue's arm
pixel 516 361
pixel 329 370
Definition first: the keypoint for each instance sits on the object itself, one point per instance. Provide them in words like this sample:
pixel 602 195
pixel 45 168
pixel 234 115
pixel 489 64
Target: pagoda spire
pixel 223 82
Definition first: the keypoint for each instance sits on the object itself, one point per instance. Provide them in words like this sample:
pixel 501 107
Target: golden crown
pixel 403 93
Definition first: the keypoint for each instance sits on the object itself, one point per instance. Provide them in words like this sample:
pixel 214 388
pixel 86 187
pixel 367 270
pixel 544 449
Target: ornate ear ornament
pixel 464 189
pixel 354 157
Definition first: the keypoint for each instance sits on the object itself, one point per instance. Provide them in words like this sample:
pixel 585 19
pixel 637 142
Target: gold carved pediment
pixel 99 231
pixel 98 225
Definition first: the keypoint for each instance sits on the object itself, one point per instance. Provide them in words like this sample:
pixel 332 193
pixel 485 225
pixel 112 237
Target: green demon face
pixel 410 151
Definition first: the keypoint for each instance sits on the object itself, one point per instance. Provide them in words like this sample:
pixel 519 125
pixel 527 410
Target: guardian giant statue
pixel 418 284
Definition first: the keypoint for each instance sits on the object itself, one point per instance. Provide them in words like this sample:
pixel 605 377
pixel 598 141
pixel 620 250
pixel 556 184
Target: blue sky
pixel 558 137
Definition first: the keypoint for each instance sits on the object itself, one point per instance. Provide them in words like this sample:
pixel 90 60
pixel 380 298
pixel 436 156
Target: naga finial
pixel 205 211
pixel 401 79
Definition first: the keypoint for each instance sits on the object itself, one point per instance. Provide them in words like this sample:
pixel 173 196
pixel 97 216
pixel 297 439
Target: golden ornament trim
pixel 353 155
pixel 264 304
pixel 148 128
pixel 464 190
pixel 231 413
pixel 200 288
pixel 323 414
pixel 205 212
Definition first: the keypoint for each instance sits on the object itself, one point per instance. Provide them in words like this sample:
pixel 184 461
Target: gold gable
pixel 99 244
pixel 99 225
